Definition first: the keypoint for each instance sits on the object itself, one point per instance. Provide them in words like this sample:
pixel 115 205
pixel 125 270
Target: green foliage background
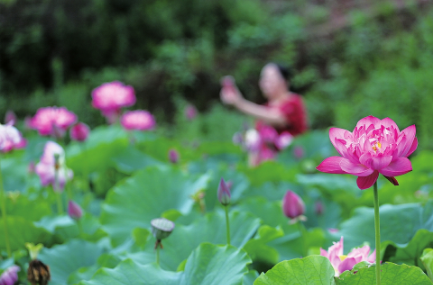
pixel 379 63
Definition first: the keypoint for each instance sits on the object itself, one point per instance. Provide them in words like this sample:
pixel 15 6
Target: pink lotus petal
pixel 331 165
pixel 367 181
pixel 323 252
pixel 380 161
pixel 367 121
pixel 388 123
pixel 399 167
pixel 347 264
pixel 355 169
pixel 392 180
pixel 413 147
pixel 372 257
pixel 410 136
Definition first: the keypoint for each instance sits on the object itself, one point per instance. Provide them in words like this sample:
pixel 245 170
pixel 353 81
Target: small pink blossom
pixel 79 132
pixel 298 152
pixel 293 206
pixel 138 120
pixel 10 138
pixel 74 210
pixel 10 276
pixel 52 121
pixel 190 112
pixel 342 262
pixel 10 117
pixel 173 156
pixel 111 97
pixel 375 146
pixel 283 140
pixel 50 171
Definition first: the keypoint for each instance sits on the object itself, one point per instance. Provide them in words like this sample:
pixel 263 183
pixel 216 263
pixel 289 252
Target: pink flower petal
pixel 347 264
pixel 372 257
pixel 410 133
pixel 331 165
pixel 380 161
pixel 367 121
pixel 355 169
pixel 398 167
pixel 388 123
pixel 336 134
pixel 413 147
pixel 323 252
pixel 367 181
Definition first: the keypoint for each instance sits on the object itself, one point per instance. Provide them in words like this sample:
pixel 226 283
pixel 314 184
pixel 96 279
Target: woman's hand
pixel 229 94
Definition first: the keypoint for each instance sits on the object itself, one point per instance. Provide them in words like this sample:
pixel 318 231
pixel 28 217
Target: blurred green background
pixel 351 58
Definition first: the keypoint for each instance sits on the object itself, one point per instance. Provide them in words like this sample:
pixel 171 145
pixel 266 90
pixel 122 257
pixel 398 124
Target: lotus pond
pixel 122 180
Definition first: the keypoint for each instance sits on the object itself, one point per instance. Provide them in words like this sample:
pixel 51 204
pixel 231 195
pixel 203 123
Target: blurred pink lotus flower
pixel 375 146
pixel 190 112
pixel 10 276
pixel 111 97
pixel 224 193
pixel 332 230
pixel 137 120
pixel 293 206
pixel 342 262
pixel 79 132
pixel 74 210
pixel 10 117
pixel 52 121
pixel 173 156
pixel 268 134
pixel 298 152
pixel 10 138
pixel 48 169
pixel 283 140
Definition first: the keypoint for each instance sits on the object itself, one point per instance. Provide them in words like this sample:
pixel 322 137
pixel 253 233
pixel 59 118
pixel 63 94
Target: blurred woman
pixel 282 116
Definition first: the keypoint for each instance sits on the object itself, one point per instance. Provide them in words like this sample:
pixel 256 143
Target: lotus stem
pixel 377 232
pixel 4 218
pixel 226 208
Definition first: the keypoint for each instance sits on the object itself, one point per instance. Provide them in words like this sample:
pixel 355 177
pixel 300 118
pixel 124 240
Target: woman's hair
pixel 284 70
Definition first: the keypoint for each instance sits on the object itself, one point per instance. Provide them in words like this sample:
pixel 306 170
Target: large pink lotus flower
pixel 10 138
pixel 342 262
pixel 137 120
pixel 50 171
pixel 111 97
pixel 375 146
pixel 52 121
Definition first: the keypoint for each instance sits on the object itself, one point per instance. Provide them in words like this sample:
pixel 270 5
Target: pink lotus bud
pixel 224 193
pixel 80 132
pixel 298 152
pixel 173 156
pixel 190 112
pixel 293 206
pixel 10 117
pixel 10 276
pixel 74 210
pixel 138 120
pixel 319 208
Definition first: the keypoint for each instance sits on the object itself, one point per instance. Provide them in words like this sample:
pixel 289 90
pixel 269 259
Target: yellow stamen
pixel 343 257
pixel 379 144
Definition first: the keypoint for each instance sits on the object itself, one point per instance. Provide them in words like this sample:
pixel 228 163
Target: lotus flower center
pixel 343 257
pixel 377 145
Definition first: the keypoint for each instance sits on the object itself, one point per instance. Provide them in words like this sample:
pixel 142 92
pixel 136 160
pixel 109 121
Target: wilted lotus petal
pixel 224 193
pixel 138 120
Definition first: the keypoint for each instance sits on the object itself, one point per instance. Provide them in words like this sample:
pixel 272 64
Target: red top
pixel 294 111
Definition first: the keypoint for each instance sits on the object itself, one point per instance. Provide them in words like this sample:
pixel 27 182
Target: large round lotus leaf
pixel 210 228
pixel 209 264
pixel 398 223
pixel 131 159
pixel 310 270
pixel 22 231
pixel 134 202
pixel 391 274
pixel 97 151
pixel 67 258
pixel 22 206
